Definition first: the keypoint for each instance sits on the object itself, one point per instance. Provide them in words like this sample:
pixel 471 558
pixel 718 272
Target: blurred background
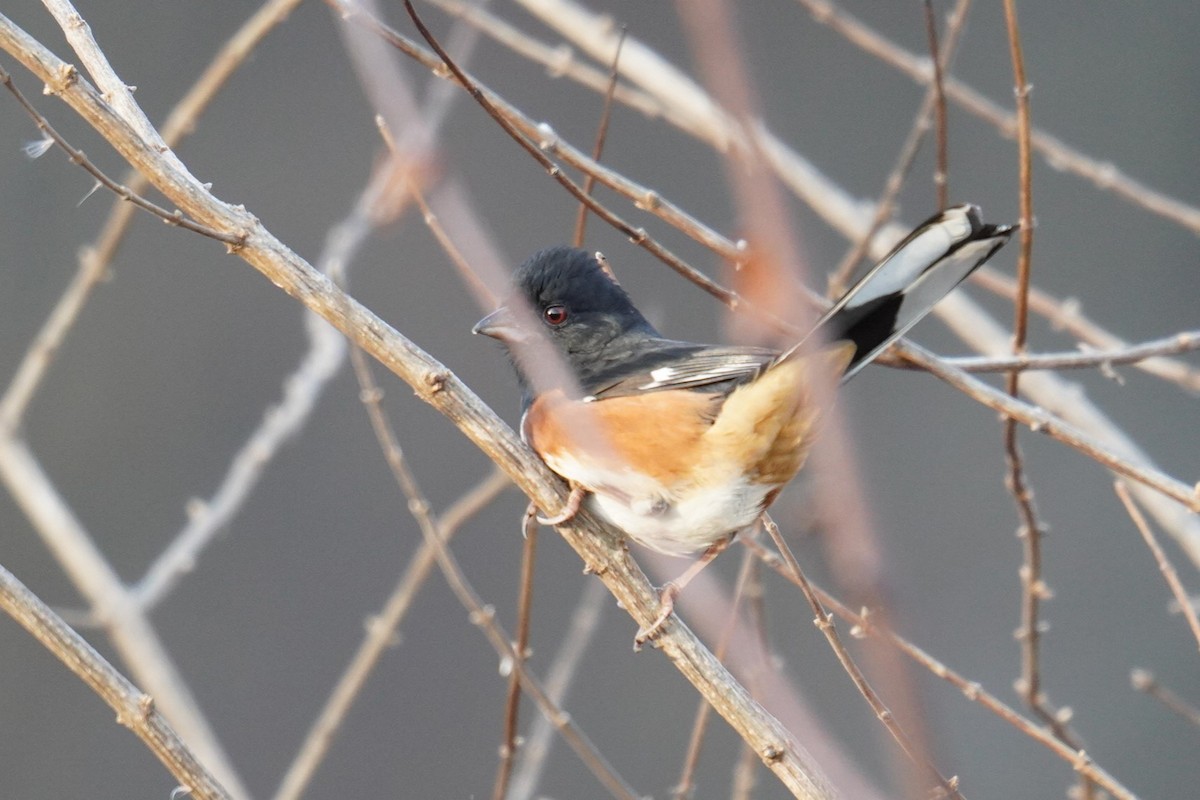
pixel 182 348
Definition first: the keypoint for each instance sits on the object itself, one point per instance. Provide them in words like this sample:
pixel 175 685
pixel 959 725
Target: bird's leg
pixel 671 590
pixel 569 510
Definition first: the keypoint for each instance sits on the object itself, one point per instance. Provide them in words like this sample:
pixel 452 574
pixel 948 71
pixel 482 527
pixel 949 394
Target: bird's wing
pixel 659 365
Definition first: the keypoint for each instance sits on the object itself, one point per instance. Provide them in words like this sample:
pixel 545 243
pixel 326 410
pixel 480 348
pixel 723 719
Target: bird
pixel 683 445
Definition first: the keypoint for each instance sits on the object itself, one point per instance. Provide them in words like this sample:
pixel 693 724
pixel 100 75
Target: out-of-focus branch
pixel 532 757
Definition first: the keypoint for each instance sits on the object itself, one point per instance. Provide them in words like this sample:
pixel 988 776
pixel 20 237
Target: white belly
pixel 688 525
pixel 678 522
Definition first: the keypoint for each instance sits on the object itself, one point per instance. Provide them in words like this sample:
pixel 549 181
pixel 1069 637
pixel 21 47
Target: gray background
pixel 175 358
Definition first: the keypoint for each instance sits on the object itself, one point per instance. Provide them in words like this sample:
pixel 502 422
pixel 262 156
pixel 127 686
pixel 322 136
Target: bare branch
pixel 941 171
pixel 520 648
pixel 124 192
pixel 598 148
pixel 1183 342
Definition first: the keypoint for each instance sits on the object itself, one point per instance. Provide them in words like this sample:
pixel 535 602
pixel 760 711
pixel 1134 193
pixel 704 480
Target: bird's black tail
pixel 908 283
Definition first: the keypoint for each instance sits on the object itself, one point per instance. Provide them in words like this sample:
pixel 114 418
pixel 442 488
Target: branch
pixel 1182 342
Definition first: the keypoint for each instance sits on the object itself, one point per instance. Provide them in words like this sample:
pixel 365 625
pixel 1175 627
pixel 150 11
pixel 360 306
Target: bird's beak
pixel 500 324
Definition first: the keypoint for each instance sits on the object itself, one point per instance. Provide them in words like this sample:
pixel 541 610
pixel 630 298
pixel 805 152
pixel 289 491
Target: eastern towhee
pixel 682 445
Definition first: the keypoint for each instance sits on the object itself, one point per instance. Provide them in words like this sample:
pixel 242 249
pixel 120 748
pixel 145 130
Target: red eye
pixel 555 315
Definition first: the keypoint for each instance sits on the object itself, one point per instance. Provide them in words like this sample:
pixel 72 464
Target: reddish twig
pixel 512 701
pixel 589 180
pixel 1033 586
pixel 824 623
pixel 941 170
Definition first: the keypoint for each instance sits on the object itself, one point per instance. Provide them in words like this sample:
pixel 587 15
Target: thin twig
pixel 378 636
pixel 1183 342
pixel 589 181
pixel 175 217
pixel 1160 558
pixel 585 620
pixel 840 276
pixel 865 625
pixel 135 709
pixel 941 170
pixel 691 760
pixel 745 772
pixel 825 624
pixel 1144 681
pixel 1067 315
pixel 512 701
pixel 1034 589
pixel 546 141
